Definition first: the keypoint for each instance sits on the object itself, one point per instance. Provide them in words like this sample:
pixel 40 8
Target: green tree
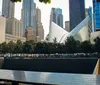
pixel 44 1
pixel 11 47
pixel 18 47
pixel 97 44
pixel 28 46
pixel 4 48
pixel 55 40
pixel 41 47
pixel 59 48
pixel 71 45
pixel 78 46
pixel 86 47
pixel 52 48
pixel 38 47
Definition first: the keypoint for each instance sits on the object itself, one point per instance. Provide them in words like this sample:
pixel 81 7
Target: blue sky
pixel 46 8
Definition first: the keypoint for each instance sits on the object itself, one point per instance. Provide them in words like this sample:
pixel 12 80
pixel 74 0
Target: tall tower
pixel 77 12
pixel 59 17
pixel 8 8
pixel 67 26
pixel 38 15
pixel 96 13
pixel 29 14
pixel 39 26
pixel 56 16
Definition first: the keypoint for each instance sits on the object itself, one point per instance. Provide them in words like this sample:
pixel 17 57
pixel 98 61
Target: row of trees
pixel 70 46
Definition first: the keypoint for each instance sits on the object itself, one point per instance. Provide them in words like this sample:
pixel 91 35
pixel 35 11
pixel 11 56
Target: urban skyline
pixel 68 56
pixel 46 8
pixel 26 27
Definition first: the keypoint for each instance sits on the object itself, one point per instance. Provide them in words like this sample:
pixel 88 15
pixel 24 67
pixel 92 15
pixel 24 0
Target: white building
pixel 81 32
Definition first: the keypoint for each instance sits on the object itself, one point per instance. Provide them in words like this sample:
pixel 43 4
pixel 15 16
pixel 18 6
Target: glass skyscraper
pixel 77 12
pixel 58 11
pixel 59 17
pixel 29 14
pixel 8 8
pixel 96 11
pixel 56 16
pixel 91 18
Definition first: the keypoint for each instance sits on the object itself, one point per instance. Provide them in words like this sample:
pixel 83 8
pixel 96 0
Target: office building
pixel 30 34
pixel 67 26
pixel 28 14
pixel 39 26
pixel 14 27
pixel 8 8
pixel 89 13
pixel 7 37
pixel 53 16
pixel 56 16
pixel 38 15
pixel 96 13
pixel 59 17
pixel 77 12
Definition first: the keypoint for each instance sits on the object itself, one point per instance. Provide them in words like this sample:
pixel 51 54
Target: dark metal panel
pixel 71 65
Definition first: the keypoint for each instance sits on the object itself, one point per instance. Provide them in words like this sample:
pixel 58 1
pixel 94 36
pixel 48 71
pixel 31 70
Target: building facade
pixel 67 26
pixel 96 13
pixel 59 17
pixel 8 8
pixel 77 12
pixel 39 26
pixel 2 29
pixel 91 21
pixel 56 16
pixel 38 15
pixel 30 34
pixel 7 37
pixel 28 14
pixel 14 27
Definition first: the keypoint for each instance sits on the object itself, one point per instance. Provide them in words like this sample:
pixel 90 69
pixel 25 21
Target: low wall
pixel 85 66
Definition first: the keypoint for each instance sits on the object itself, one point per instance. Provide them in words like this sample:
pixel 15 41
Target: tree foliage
pixel 70 46
pixel 18 47
pixel 97 44
pixel 86 47
pixel 28 46
pixel 11 47
pixel 4 48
